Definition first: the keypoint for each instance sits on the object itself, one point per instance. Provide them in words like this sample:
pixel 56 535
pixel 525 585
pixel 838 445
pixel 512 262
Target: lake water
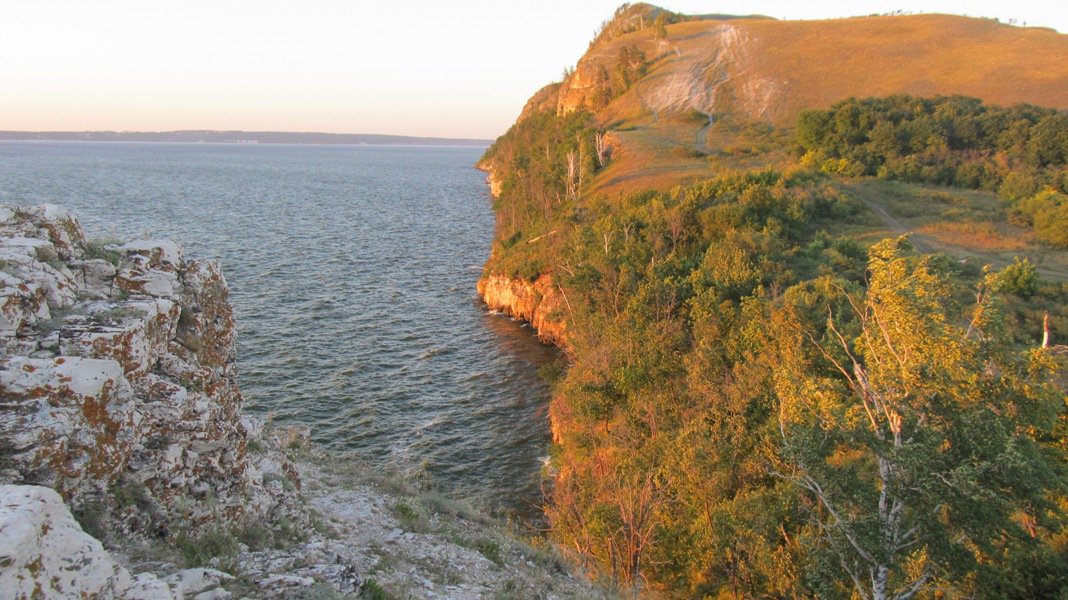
pixel 352 272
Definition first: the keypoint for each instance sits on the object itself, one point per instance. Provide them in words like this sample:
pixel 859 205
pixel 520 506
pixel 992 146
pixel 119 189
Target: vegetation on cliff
pixel 121 429
pixel 1020 152
pixel 775 393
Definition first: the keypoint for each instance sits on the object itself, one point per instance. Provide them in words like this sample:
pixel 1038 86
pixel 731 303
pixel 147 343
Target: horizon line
pixel 223 135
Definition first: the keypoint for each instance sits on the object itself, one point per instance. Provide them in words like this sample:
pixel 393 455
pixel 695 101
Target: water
pixel 352 273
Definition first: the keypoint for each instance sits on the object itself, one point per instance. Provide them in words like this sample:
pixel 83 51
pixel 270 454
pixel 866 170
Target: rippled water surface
pixel 352 273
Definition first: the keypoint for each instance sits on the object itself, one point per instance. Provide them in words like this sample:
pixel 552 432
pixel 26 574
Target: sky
pixel 458 68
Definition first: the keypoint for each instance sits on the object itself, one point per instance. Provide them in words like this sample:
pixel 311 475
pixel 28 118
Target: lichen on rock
pixel 119 395
pixel 120 374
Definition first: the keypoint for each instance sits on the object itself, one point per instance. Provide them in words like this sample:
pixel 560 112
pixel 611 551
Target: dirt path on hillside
pixel 700 141
pixel 876 205
pixel 697 78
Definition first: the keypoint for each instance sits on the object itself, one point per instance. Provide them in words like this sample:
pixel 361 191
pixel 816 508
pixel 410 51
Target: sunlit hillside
pixel 811 278
pixel 713 84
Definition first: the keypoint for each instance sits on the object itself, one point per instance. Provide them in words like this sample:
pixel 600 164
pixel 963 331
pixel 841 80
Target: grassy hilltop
pixel 811 277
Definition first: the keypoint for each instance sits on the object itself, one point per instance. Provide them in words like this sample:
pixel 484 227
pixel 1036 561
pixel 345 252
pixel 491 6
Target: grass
pixel 199 551
pixel 820 62
pixel 776 69
pixel 98 249
pixel 219 546
pixel 971 226
pixel 370 590
pixel 437 502
pixel 457 521
pixel 490 549
pixel 409 519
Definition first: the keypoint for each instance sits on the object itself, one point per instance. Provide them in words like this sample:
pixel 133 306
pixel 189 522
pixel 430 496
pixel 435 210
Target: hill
pixel 766 69
pixel 704 82
pixel 811 279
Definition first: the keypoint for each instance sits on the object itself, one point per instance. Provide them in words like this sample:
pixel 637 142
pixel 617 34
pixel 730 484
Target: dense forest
pixel 756 405
pixel 1021 152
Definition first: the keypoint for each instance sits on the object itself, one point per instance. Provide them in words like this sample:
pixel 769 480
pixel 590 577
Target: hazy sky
pixel 460 68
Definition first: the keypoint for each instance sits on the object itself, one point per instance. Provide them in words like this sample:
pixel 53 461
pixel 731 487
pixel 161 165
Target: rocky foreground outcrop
pixel 45 554
pixel 118 378
pixel 121 423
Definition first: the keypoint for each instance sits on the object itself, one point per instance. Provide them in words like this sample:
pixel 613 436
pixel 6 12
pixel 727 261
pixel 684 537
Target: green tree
pixel 1019 278
pixel 1047 212
pixel 913 439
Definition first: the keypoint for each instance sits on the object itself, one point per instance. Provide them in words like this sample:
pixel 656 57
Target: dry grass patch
pixel 969 225
pixel 821 62
pixel 979 236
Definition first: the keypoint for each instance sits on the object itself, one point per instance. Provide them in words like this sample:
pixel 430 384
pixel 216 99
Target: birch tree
pixel 908 424
pixel 601 144
pixel 572 174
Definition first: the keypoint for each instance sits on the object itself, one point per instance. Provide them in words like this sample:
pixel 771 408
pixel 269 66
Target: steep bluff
pixel 770 70
pixel 120 401
pixel 673 103
pixel 120 405
pixel 702 262
pixel 538 302
pixel 118 370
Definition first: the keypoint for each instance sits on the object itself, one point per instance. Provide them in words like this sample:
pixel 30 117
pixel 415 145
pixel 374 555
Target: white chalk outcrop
pixel 118 403
pixel 117 372
pixel 45 554
pixel 117 393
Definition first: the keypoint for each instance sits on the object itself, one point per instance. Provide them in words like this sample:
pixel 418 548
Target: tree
pixel 912 439
pixel 572 180
pixel 601 144
pixel 660 26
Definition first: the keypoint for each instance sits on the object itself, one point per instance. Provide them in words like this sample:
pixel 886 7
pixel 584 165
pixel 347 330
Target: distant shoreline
pixel 239 137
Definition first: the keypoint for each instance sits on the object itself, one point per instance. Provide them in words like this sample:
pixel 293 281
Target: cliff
pixel 127 469
pixel 540 303
pixel 118 370
pixel 707 94
pixel 709 272
pixel 766 69
pixel 118 376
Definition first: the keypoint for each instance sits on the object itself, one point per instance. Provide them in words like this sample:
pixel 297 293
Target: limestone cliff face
pixel 118 400
pixel 45 554
pixel 544 99
pixel 492 179
pixel 117 371
pixel 539 303
pixel 494 183
pixel 578 90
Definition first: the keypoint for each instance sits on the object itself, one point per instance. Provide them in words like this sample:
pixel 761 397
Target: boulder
pixel 45 554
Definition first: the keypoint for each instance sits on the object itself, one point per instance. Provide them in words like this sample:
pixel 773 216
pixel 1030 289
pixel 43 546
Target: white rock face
pixel 45 554
pixel 117 369
pixel 67 420
pixel 117 379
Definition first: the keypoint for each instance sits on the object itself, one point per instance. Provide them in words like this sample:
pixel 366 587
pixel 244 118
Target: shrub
pixel 372 591
pixel 199 551
pixel 1047 212
pixel 1019 278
